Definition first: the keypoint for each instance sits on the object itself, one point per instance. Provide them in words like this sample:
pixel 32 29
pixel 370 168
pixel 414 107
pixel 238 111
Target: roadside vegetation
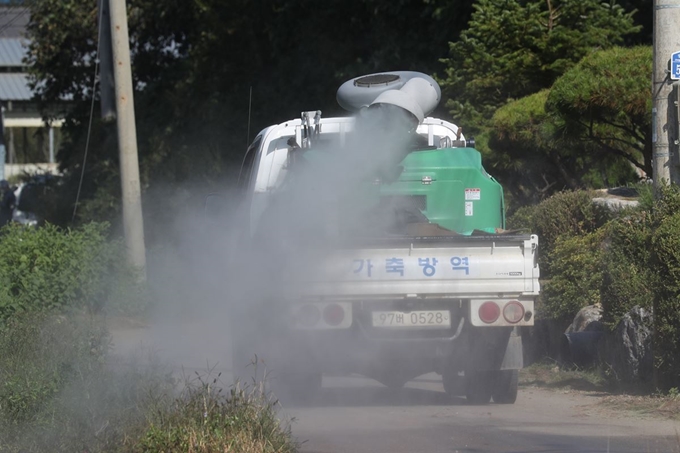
pixel 617 259
pixel 61 387
pixel 550 375
pixel 556 93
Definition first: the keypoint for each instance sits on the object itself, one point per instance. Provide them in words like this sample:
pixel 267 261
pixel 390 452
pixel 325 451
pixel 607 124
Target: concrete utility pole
pixel 664 113
pixel 133 221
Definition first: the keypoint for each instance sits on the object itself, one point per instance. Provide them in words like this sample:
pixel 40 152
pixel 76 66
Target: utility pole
pixel 133 222
pixel 664 112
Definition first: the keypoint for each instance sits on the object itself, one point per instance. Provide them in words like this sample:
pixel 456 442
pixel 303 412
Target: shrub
pixel 49 268
pixel 563 214
pixel 570 213
pixel 522 218
pixel 39 354
pixel 666 265
pixel 627 280
pixel 576 275
pixel 61 390
pixel 667 203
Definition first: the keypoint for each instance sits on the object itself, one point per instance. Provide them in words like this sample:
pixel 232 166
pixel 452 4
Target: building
pixel 30 143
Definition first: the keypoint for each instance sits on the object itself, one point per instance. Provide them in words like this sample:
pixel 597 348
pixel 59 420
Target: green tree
pixel 194 64
pixel 515 48
pixel 524 149
pixel 590 129
pixel 605 104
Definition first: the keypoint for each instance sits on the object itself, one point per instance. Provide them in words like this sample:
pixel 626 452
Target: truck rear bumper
pixel 357 350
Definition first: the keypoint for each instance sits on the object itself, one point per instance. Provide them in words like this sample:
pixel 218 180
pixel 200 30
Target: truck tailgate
pixel 461 267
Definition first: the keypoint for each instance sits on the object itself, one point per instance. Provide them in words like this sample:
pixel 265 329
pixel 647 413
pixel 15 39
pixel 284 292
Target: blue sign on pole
pixel 675 66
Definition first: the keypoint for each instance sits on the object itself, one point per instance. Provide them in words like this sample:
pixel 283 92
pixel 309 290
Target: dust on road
pixel 358 415
pixel 354 414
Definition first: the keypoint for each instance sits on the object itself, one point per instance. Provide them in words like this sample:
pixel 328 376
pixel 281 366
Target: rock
pixel 615 204
pixel 617 198
pixel 587 320
pixel 627 351
pixel 583 336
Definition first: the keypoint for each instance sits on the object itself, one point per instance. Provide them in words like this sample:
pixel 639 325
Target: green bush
pixel 666 265
pixel 627 280
pixel 563 214
pixel 568 226
pixel 39 354
pixel 570 213
pixel 49 268
pixel 61 390
pixel 667 203
pixel 576 275
pixel 522 219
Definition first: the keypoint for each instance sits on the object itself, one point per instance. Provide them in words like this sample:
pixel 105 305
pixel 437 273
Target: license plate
pixel 428 318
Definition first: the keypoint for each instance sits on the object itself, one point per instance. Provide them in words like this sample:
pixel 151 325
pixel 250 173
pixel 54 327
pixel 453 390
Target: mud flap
pixel 514 358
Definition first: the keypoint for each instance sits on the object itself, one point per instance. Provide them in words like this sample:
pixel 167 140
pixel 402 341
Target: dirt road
pixel 356 415
pixel 359 415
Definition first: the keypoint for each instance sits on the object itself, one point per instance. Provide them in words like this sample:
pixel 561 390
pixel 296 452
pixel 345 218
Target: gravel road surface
pixel 356 415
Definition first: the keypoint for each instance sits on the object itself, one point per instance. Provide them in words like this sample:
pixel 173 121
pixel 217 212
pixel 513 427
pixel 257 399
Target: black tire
pixel 478 386
pixel 505 388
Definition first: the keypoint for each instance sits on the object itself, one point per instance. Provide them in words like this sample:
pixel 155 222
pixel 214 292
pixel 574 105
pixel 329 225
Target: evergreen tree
pixel 590 129
pixel 514 48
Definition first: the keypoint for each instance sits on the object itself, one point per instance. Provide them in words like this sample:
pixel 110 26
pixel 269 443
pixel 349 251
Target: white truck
pixel 446 290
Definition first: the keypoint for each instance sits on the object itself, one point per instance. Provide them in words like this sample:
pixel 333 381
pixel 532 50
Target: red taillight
pixel 333 314
pixel 489 312
pixel 513 312
pixel 308 315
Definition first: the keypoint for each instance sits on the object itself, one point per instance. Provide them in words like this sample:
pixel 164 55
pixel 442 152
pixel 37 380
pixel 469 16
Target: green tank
pixel 452 189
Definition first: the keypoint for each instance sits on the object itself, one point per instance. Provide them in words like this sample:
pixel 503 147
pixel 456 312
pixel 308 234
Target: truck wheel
pixel 478 387
pixel 505 389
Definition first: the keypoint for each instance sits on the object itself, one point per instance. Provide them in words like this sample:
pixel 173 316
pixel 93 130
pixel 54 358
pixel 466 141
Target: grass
pixel 203 419
pixel 550 375
pixel 62 391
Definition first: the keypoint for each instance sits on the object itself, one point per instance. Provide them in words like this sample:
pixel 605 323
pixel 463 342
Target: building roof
pixel 13 21
pixel 12 52
pixel 14 87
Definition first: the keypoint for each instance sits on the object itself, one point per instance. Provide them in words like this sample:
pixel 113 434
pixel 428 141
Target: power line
pixel 14 19
pixel 89 126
